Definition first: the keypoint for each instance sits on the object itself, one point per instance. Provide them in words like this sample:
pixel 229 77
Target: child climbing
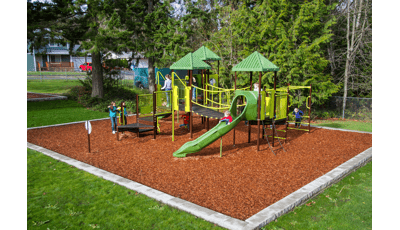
pixel 113 116
pixel 298 117
pixel 227 118
pixel 185 121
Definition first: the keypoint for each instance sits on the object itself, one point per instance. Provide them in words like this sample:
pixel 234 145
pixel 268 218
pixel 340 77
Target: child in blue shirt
pixel 298 117
pixel 113 116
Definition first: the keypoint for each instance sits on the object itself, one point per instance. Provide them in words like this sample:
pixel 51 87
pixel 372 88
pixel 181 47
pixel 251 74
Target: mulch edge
pixel 256 221
pixel 50 98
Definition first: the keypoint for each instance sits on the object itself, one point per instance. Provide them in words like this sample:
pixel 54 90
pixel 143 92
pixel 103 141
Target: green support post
pixel 220 149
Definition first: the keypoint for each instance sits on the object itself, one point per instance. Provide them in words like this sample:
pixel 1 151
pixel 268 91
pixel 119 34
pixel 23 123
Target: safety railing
pixel 299 103
pixel 144 105
pixel 158 77
pixel 224 96
pixel 211 103
pixel 281 105
pixel 181 86
pixel 163 102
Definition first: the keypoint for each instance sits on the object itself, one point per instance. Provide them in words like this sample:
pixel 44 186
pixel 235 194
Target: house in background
pixel 139 61
pixel 55 57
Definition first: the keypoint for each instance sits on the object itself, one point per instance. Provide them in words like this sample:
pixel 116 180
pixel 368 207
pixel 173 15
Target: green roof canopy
pixel 255 62
pixel 204 54
pixel 189 62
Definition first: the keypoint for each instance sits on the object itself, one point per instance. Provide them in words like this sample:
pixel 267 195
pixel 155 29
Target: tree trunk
pixel 97 75
pixel 152 78
pixel 349 49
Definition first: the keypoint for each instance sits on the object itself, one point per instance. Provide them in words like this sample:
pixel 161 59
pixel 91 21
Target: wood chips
pixel 240 184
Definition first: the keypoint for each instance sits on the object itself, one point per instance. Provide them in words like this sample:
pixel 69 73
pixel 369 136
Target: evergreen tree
pixel 153 29
pixel 76 22
pixel 291 34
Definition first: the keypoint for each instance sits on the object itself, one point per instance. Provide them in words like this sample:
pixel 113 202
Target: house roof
pixel 56 49
pixel 255 62
pixel 189 62
pixel 124 55
pixel 203 53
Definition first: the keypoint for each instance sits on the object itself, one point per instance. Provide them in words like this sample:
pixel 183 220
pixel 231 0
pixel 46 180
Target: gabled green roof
pixel 189 62
pixel 205 54
pixel 255 62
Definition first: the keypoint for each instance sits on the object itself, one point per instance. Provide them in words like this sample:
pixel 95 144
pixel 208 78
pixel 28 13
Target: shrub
pixel 113 92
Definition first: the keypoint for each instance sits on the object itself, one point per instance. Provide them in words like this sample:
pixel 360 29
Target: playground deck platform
pixel 134 128
pixel 204 112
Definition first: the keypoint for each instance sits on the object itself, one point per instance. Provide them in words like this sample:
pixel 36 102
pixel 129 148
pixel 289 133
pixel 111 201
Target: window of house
pixel 55 58
pixel 52 44
pixel 65 58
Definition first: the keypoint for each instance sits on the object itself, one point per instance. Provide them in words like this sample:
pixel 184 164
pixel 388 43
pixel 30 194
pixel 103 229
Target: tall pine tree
pixel 291 34
pixel 150 28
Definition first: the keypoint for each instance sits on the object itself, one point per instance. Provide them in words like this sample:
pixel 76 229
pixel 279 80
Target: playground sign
pixel 88 126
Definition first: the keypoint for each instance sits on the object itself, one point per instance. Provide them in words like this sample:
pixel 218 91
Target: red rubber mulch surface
pixel 240 184
pixel 37 95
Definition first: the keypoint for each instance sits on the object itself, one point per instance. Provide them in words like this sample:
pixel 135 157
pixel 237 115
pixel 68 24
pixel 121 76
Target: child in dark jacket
pixel 298 117
pixel 113 116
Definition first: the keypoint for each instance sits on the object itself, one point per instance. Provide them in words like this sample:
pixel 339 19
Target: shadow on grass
pixel 332 125
pixel 49 105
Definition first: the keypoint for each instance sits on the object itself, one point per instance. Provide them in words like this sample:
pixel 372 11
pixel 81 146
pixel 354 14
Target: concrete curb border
pixel 256 221
pixel 52 98
pixel 75 122
pixel 308 191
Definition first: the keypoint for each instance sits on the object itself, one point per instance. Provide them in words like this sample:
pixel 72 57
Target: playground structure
pixel 266 108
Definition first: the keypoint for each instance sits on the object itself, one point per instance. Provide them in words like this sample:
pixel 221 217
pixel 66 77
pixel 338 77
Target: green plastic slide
pixel 249 113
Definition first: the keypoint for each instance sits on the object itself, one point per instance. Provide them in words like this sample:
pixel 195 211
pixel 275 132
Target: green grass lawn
pixel 57 86
pixel 61 196
pixel 44 73
pixel 43 113
pixel 352 125
pixel 51 86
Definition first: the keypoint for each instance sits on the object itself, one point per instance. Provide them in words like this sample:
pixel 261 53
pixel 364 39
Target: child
pixel 167 86
pixel 122 120
pixel 227 118
pixel 187 80
pixel 194 88
pixel 255 86
pixel 113 116
pixel 185 121
pixel 297 113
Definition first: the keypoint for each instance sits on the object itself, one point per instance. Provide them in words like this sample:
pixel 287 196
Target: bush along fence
pixel 357 108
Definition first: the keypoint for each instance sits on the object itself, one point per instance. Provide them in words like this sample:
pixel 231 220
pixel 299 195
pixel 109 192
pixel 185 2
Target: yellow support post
pixel 187 99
